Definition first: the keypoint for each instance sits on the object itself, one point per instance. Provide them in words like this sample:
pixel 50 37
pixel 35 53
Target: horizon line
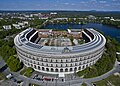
pixel 62 10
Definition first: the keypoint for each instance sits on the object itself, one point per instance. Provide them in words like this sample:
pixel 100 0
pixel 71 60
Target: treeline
pixel 112 23
pixel 9 21
pixel 14 64
pixel 8 50
pixel 36 23
pixel 105 63
pixel 73 14
pixel 68 21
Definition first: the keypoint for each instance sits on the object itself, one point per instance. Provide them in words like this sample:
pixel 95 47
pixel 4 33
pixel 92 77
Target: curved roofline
pixel 97 42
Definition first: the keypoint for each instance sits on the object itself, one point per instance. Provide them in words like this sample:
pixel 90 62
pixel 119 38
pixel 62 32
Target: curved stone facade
pixel 54 60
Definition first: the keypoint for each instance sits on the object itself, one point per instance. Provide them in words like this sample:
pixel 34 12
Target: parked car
pixel 9 76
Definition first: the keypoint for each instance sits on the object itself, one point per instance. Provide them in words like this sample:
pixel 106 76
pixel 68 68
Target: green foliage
pixel 114 80
pixel 12 31
pixel 2 76
pixel 82 14
pixel 68 21
pixel 27 71
pixel 7 49
pixel 88 72
pixel 104 64
pixel 118 58
pixel 112 23
pixel 14 64
pixel 37 23
pixel 83 84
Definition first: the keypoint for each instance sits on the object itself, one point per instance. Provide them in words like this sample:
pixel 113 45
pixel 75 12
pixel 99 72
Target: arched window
pixel 71 69
pixel 87 65
pixel 56 61
pixel 38 63
pixel 83 67
pixel 47 69
pixel 43 68
pixel 80 63
pixel 76 60
pixel 66 65
pixel 75 64
pixel 75 69
pixel 51 65
pixel 79 68
pixel 35 66
pixel 61 70
pixel 51 60
pixel 52 70
pixel 66 60
pixel 56 70
pixel 66 70
pixel 39 67
pixel 70 65
pixel 42 64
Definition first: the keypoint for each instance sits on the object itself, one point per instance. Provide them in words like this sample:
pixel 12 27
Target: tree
pixel 14 64
pixel 105 63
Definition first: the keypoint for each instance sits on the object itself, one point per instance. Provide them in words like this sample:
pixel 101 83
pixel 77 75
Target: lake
pixel 107 30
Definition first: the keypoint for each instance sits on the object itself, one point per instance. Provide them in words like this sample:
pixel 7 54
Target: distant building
pixel 61 19
pixel 44 17
pixel 17 26
pixel 25 23
pixel 7 27
pixel 115 19
pixel 91 17
pixel 53 13
pixel 106 17
pixel 20 24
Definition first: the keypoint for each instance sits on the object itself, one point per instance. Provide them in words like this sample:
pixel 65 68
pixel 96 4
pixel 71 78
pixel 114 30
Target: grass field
pixel 27 72
pixel 113 80
pixel 2 76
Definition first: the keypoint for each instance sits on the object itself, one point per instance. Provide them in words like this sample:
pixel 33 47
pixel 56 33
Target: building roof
pixel 97 42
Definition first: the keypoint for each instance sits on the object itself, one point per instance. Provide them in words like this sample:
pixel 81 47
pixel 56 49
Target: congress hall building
pixel 59 52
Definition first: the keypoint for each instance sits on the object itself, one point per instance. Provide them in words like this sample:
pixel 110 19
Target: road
pixel 74 82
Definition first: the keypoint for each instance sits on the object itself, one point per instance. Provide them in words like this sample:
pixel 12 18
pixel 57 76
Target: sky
pixel 74 5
